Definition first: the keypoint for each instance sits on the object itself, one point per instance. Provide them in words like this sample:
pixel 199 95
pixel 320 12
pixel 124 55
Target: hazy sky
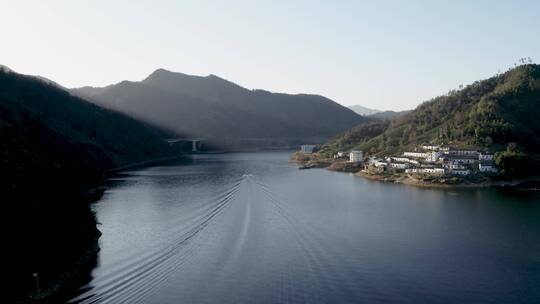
pixel 390 55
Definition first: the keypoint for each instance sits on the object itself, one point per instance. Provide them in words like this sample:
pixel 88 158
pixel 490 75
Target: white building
pixel 356 156
pixel 372 160
pixel 434 171
pixel 454 165
pixel 463 159
pixel 431 147
pixel 399 165
pixel 485 156
pixel 464 152
pixel 487 167
pixel 427 171
pixel 433 156
pixel 307 148
pixel 463 172
pixel 340 154
pixel 402 160
pixel 416 154
pixel 380 164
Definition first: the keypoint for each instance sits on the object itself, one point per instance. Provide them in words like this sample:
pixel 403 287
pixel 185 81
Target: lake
pixel 252 228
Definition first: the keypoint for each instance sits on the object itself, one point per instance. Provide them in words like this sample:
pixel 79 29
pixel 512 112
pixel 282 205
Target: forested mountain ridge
pixel 54 148
pixel 488 114
pixel 224 112
pixel 92 137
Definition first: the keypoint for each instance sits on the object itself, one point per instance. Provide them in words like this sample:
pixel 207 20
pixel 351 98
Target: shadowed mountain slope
pixel 54 149
pixel 223 112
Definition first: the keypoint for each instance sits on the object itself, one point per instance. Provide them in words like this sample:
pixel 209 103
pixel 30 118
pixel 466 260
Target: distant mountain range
pixel 361 110
pixel 500 114
pixel 224 113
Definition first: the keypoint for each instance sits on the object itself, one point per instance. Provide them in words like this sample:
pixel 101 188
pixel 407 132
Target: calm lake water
pixel 252 228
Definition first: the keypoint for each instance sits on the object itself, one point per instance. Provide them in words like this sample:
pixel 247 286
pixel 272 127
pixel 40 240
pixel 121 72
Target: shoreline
pixel 411 181
pixel 407 180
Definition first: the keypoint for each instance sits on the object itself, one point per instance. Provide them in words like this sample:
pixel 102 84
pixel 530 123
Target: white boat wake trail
pixel 235 238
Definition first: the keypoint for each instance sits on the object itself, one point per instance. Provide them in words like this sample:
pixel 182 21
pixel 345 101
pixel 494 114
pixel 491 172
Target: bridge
pixel 196 143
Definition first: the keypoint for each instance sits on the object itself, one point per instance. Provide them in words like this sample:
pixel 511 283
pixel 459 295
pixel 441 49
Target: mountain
pixel 360 110
pixel 499 114
pixel 389 114
pixel 224 113
pixel 54 148
pixel 47 128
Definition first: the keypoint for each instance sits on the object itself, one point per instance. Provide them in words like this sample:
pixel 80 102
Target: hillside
pixel 55 147
pixel 223 112
pixel 488 114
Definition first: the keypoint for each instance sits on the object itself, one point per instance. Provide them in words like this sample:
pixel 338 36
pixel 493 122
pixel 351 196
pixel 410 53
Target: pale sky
pixel 388 55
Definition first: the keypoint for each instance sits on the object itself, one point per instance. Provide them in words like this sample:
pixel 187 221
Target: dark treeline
pixel 56 150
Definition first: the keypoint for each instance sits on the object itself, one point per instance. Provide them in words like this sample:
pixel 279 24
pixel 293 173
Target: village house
pixel 423 155
pixel 376 164
pixel 307 148
pixel 462 159
pixel 341 155
pixel 485 156
pixel 402 160
pixel 433 156
pixel 462 172
pixel 431 147
pixel 437 161
pixel 463 152
pixel 399 165
pixel 356 156
pixel 451 165
pixel 426 171
pixel 380 164
pixel 487 167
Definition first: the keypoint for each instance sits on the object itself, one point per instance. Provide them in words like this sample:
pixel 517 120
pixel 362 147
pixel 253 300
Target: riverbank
pixel 448 182
pixel 56 244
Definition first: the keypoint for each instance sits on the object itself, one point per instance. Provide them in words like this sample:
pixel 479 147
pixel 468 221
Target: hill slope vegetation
pixel 498 114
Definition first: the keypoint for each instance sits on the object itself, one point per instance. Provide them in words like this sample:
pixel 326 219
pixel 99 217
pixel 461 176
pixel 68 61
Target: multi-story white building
pixel 307 148
pixel 356 156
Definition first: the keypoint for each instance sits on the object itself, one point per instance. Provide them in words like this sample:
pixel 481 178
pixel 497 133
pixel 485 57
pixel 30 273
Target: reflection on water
pixel 251 228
